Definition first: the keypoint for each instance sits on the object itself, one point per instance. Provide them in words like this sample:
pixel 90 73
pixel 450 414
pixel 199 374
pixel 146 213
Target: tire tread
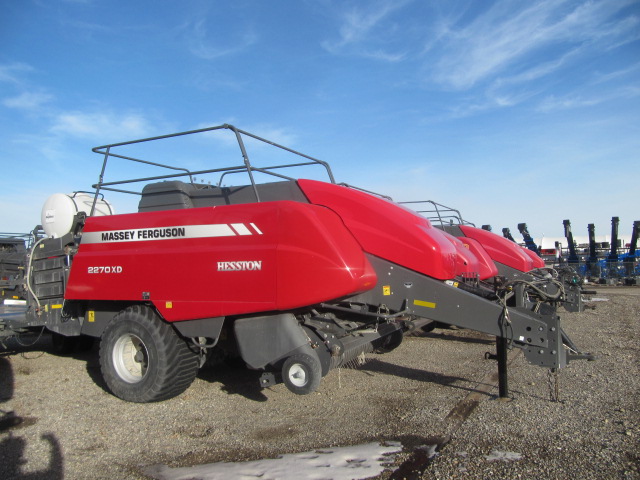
pixel 173 376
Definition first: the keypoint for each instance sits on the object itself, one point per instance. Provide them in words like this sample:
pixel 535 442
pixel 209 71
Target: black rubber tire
pixel 301 373
pixel 143 359
pixel 390 342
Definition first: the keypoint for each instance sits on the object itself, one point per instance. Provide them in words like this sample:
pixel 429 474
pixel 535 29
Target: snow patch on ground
pixel 344 463
pixel 498 456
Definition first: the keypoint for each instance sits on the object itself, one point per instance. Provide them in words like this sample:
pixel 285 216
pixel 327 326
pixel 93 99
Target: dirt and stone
pixel 436 394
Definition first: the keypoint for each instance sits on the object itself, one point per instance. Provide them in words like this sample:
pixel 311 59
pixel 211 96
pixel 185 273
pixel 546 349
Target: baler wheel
pixel 301 373
pixel 143 359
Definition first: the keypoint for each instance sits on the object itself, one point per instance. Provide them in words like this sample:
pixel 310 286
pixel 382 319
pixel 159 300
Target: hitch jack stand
pixel 501 357
pixel 501 354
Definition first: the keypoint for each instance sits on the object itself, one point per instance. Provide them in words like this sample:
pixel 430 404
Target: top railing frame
pixel 26 239
pixel 246 167
pixel 441 214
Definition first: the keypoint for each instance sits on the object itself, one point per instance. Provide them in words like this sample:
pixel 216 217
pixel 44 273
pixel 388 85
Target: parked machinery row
pixel 294 277
pixel 611 263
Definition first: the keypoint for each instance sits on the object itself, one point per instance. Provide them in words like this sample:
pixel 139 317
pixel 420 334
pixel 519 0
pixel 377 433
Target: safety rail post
pixel 100 180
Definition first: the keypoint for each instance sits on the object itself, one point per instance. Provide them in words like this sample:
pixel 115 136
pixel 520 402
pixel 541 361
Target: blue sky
pixel 510 111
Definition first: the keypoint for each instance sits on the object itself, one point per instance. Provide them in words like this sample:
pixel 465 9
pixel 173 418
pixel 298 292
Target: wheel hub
pixel 298 375
pixel 130 358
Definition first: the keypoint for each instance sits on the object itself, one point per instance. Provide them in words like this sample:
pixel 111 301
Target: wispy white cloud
pixel 11 73
pixel 554 102
pixel 600 78
pixel 88 28
pixel 364 28
pixel 222 136
pixel 537 71
pixel 277 134
pixel 383 56
pixel 471 106
pixel 202 45
pixel 100 125
pixel 511 33
pixel 357 23
pixel 24 96
pixel 514 89
pixel 280 135
pixel 27 100
pixel 56 125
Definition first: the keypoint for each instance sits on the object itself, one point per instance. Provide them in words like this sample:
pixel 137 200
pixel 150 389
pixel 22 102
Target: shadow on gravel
pixel 464 338
pixel 12 447
pixel 423 451
pixel 7 419
pixel 235 380
pixel 378 366
pixel 93 367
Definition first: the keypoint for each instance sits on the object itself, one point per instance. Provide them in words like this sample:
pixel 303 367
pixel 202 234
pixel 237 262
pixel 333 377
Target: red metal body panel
pixel 535 258
pixel 487 268
pixel 219 261
pixel 466 261
pixel 388 230
pixel 500 249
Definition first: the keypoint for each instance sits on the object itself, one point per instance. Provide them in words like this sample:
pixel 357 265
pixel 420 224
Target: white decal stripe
pixel 256 228
pixel 159 233
pixel 241 228
pixel 202 231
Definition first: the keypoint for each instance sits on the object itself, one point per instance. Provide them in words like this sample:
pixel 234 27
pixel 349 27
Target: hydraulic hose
pixel 541 292
pixel 28 273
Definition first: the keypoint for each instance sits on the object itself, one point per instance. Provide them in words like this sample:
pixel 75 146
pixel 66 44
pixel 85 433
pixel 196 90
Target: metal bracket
pixel 268 379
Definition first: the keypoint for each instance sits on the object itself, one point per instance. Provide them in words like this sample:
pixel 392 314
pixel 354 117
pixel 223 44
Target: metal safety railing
pixel 111 151
pixel 12 240
pixel 437 213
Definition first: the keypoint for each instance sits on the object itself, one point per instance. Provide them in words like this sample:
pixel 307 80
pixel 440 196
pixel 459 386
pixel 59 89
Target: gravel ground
pixel 57 420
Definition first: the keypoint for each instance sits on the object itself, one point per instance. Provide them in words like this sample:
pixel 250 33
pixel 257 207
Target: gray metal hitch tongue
pixel 561 349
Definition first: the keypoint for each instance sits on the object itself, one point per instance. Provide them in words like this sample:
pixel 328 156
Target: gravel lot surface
pixel 57 421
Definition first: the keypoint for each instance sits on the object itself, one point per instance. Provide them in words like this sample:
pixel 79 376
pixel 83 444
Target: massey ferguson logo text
pixel 239 266
pixel 217 230
pixel 143 234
